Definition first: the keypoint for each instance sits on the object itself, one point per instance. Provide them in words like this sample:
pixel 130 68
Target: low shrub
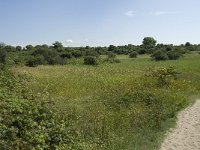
pixel 133 55
pixel 35 61
pixel 90 60
pixel 164 76
pixel 30 121
pixel 159 55
pixel 112 58
pixel 173 55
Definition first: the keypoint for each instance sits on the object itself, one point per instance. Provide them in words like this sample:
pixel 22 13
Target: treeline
pixel 58 54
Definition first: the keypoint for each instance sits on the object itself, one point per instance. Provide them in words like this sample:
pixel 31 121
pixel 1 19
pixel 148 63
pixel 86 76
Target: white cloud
pixel 129 13
pixel 69 41
pixel 159 13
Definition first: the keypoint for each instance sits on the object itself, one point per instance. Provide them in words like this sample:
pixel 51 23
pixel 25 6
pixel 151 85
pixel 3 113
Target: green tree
pixel 112 48
pixel 57 45
pixel 149 44
pixel 29 47
pixel 18 48
pixel 187 44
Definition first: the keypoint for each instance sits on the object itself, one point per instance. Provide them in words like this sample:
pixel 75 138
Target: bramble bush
pixel 164 76
pixel 29 121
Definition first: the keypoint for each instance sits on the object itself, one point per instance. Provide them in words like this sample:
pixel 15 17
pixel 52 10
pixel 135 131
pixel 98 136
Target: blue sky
pixel 98 22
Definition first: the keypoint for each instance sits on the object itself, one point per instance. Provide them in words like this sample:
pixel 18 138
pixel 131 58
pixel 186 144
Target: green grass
pixel 117 106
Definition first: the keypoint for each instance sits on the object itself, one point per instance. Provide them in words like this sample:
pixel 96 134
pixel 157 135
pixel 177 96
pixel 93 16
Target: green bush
pixel 173 54
pixel 90 60
pixel 67 55
pixel 112 58
pixel 3 55
pixel 133 55
pixel 35 61
pixel 165 76
pixel 159 55
pixel 29 121
pixel 111 55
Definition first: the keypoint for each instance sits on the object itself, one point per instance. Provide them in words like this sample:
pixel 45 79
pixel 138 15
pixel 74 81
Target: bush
pixel 111 55
pixel 159 55
pixel 35 61
pixel 164 76
pixel 111 58
pixel 91 52
pixel 173 55
pixel 3 55
pixel 66 55
pixel 90 60
pixel 133 55
pixel 142 51
pixel 77 54
pixel 44 56
pixel 31 122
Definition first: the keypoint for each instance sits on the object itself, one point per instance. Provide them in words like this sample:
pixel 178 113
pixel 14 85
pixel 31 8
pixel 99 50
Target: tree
pixel 18 48
pixel 57 45
pixel 149 44
pixel 29 47
pixel 187 44
pixel 112 48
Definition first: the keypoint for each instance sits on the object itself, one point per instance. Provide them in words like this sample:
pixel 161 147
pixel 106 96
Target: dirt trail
pixel 186 135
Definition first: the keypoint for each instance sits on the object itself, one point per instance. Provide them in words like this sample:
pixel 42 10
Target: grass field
pixel 119 105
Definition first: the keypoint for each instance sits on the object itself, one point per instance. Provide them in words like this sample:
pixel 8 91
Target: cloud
pixel 69 41
pixel 159 13
pixel 129 13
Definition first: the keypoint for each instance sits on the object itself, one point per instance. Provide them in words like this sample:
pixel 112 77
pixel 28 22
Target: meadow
pixel 127 105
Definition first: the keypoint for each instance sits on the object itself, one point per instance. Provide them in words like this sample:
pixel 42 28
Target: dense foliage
pixel 58 54
pixel 113 106
pixel 133 54
pixel 90 60
pixel 29 121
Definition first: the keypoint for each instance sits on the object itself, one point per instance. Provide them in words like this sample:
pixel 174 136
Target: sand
pixel 186 134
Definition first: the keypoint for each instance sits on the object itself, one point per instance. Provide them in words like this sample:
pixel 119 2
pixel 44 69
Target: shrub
pixel 90 60
pixel 133 55
pixel 159 55
pixel 29 123
pixel 66 55
pixel 77 54
pixel 3 55
pixel 111 55
pixel 91 52
pixel 173 55
pixel 142 51
pixel 35 61
pixel 164 76
pixel 111 58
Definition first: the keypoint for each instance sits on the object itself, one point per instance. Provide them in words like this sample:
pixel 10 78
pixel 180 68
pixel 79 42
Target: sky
pixel 99 22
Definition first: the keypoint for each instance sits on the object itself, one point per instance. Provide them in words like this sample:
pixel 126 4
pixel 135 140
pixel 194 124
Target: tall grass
pixel 119 106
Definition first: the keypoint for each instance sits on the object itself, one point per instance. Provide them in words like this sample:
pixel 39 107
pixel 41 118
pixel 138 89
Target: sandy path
pixel 186 135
